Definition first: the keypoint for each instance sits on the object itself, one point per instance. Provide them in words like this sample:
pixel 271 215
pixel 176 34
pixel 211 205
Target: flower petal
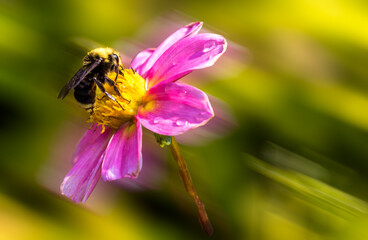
pixel 174 108
pixel 91 137
pixel 194 52
pixel 187 30
pixel 139 60
pixel 123 157
pixel 82 178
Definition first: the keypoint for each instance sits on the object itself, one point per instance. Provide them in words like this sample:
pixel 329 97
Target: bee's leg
pixel 104 96
pixel 101 87
pixel 113 84
pixel 121 69
pixel 133 70
pixel 117 70
pixel 90 110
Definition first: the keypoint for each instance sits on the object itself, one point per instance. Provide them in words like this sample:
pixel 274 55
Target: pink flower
pixel 152 97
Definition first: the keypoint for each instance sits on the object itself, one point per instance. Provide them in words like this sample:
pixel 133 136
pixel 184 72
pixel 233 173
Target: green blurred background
pixel 292 166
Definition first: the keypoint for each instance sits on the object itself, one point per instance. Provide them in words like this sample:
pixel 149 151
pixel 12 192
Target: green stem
pixel 188 184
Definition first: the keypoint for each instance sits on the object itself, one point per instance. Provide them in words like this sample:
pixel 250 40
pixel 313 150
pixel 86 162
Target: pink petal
pixel 194 52
pixel 174 108
pixel 123 157
pixel 187 30
pixel 140 59
pixel 91 137
pixel 82 178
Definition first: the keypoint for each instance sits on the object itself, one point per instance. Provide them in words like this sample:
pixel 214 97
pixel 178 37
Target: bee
pixel 97 65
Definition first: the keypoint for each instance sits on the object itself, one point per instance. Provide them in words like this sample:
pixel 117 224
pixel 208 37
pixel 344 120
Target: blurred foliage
pixel 293 168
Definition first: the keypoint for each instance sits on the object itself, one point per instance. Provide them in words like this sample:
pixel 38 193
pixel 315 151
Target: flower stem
pixel 188 184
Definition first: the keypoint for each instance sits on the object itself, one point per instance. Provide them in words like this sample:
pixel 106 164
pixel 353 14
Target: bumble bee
pixel 97 65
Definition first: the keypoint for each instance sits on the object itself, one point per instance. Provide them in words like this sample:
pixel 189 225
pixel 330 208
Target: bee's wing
pixel 77 78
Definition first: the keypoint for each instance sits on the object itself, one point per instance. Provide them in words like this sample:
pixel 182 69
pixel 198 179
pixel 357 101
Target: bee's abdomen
pixel 88 107
pixel 85 92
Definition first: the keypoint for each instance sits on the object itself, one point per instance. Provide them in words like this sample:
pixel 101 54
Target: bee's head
pixel 114 58
pixel 110 57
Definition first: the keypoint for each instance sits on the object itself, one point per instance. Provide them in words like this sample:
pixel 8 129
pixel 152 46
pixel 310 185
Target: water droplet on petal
pixel 198 119
pixel 183 93
pixel 156 120
pixel 209 45
pixel 181 122
pixel 205 113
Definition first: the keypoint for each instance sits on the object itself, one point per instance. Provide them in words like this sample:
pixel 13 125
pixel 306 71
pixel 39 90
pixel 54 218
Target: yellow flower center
pixel 113 114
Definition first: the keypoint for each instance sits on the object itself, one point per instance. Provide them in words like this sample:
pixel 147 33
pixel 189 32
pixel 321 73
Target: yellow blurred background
pixel 289 161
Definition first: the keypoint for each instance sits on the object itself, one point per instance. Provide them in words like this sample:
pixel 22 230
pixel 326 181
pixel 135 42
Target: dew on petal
pixel 204 113
pixel 183 93
pixel 173 64
pixel 156 120
pixel 110 174
pixel 209 45
pixel 181 122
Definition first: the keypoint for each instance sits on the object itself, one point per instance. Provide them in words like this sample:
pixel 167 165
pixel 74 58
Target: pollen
pixel 113 113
